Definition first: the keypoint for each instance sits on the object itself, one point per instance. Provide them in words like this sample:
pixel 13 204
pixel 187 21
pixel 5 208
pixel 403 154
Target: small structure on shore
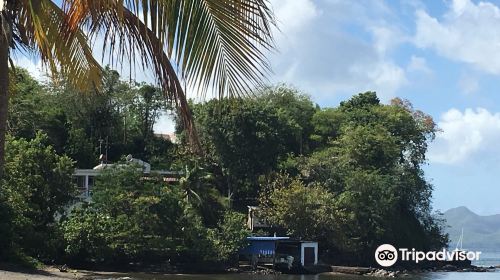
pixel 281 253
pixel 254 220
pixel 305 252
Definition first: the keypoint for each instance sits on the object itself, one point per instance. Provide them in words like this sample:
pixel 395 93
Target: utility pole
pixel 107 146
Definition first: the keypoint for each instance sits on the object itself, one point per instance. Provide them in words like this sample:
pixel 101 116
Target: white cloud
pixel 294 15
pixel 466 136
pixel 418 64
pixel 468 33
pixel 468 83
pixel 33 66
pixel 385 76
pixel 386 37
pixel 316 52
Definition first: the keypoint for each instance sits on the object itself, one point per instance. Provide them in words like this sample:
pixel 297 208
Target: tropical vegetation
pixel 350 176
pixel 218 44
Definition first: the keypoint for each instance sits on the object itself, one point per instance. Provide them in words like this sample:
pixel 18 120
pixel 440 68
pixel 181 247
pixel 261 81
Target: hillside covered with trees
pixel 350 177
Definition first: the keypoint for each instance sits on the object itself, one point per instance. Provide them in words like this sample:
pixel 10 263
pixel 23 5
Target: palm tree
pixel 194 183
pixel 200 193
pixel 218 44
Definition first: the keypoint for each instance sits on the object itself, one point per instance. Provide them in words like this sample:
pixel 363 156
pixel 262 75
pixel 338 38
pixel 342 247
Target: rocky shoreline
pixel 393 273
pixel 56 273
pixel 370 271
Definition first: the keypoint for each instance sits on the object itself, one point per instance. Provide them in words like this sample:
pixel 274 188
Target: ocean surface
pixel 487 259
pixel 426 276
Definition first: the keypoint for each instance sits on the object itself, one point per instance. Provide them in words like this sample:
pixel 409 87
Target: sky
pixel 442 55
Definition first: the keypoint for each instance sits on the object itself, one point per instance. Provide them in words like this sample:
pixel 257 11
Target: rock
pixel 383 273
pixel 264 271
pixel 449 267
pixel 63 268
pixel 480 269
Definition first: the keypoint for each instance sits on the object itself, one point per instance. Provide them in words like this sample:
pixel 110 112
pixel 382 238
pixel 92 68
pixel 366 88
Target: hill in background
pixel 480 232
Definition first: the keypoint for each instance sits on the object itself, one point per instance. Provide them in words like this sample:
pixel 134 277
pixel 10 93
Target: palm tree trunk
pixel 4 85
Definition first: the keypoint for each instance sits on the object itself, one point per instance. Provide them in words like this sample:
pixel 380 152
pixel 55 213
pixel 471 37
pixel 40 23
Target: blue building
pixel 280 252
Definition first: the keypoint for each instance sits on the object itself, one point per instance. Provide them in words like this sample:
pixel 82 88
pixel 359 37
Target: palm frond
pixel 218 43
pixel 212 42
pixel 126 36
pixel 39 26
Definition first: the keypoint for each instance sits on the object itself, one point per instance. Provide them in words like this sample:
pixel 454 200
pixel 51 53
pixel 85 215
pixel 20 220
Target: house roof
pixel 266 238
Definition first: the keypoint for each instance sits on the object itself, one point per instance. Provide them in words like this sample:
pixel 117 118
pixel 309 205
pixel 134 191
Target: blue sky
pixel 444 56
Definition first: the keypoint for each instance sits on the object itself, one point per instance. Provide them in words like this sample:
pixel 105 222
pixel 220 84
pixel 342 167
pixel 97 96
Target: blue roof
pixel 265 238
pixel 260 245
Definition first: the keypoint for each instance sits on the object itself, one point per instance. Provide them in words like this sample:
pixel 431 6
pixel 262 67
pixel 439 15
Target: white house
pixel 85 177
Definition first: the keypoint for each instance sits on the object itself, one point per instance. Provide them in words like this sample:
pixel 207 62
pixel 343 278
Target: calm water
pixel 428 276
pixel 487 259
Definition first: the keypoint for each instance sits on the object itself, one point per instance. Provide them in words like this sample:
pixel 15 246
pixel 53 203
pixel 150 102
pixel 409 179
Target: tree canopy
pixel 218 44
pixel 349 176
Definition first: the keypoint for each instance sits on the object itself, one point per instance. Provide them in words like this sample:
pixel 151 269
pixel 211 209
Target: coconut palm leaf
pixel 208 43
pixel 38 29
pixel 217 43
pixel 211 42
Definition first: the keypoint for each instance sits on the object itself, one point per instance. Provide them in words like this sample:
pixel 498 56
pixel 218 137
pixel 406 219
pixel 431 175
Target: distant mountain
pixel 480 232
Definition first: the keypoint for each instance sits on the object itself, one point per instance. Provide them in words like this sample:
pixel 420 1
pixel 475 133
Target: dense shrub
pixel 129 218
pixel 229 237
pixel 36 188
pixel 136 219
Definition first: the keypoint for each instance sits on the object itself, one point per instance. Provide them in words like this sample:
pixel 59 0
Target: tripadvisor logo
pixel 387 255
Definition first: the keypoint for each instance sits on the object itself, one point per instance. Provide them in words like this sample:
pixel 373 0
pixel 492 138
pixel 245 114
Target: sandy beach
pixel 52 273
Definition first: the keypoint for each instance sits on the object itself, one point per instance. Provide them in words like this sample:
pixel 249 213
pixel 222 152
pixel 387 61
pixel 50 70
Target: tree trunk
pixel 4 85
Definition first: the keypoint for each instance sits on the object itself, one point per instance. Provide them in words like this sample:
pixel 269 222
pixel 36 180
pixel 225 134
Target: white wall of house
pixel 85 177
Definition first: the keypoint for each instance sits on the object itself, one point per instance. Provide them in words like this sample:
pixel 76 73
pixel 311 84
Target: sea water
pixel 424 276
pixel 487 259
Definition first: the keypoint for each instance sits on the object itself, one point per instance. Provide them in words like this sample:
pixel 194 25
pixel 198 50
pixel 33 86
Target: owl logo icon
pixel 386 255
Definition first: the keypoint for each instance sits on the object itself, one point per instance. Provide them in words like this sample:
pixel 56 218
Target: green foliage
pixel 6 231
pixel 306 212
pixel 198 189
pixel 326 124
pixel 85 234
pixel 36 188
pixel 129 219
pixel 361 101
pixel 134 219
pixel 80 147
pixel 245 139
pixel 296 109
pixel 368 156
pixel 23 118
pixel 356 175
pixel 79 123
pixel 229 237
